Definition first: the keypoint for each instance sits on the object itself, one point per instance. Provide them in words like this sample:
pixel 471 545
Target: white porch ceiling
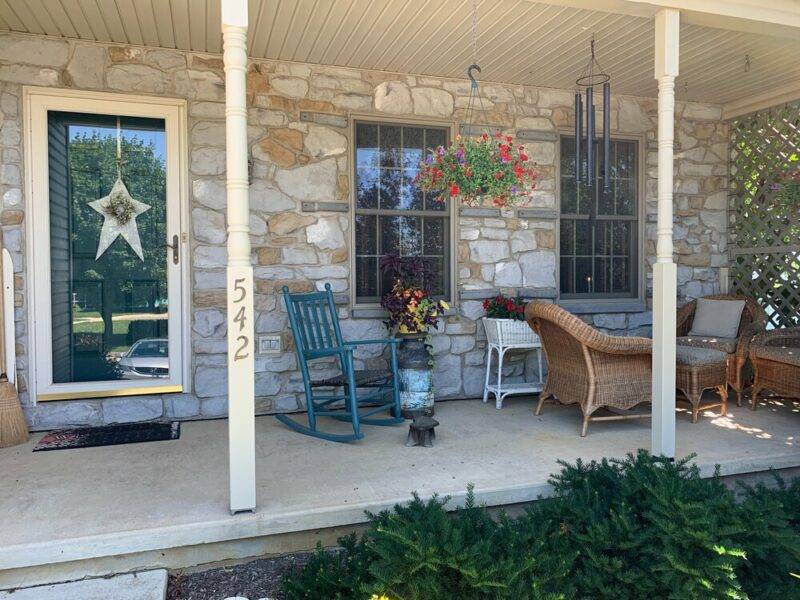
pixel 520 42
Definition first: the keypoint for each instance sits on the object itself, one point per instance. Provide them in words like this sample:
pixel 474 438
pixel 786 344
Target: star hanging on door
pixel 119 209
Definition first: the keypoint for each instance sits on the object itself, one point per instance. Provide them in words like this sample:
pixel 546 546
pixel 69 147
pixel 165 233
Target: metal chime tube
pixel 606 135
pixel 589 137
pixel 578 134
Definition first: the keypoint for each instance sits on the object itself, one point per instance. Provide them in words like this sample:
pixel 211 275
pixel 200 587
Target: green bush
pixel 771 522
pixel 331 575
pixel 637 528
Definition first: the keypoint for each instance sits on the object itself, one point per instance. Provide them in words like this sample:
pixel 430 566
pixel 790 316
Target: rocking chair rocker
pixel 316 332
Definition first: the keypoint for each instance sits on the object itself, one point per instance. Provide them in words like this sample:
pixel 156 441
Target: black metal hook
pixel 470 69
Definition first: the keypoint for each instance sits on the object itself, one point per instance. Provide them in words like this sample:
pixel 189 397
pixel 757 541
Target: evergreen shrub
pixel 643 527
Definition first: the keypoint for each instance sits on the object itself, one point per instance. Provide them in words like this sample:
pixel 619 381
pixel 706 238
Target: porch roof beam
pixel 778 18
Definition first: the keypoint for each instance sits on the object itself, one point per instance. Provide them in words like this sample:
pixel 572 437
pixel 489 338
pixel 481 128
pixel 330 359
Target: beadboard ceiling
pixel 519 42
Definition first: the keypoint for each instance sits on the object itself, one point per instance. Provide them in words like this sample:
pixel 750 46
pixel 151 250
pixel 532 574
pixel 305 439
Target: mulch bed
pixel 253 580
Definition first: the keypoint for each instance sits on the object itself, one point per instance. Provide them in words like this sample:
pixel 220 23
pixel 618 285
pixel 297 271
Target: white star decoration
pixel 112 228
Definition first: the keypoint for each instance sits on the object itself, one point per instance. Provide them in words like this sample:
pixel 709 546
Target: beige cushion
pixel 717 318
pixel 727 345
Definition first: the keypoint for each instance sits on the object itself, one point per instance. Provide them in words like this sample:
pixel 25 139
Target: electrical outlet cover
pixel 269 344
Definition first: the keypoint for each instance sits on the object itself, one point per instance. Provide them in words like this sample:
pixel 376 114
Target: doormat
pixel 109 435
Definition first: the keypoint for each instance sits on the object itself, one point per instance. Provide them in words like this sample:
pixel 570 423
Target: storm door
pixel 114 249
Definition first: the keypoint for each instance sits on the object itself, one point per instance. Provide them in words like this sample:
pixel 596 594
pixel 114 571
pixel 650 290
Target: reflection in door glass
pixel 108 262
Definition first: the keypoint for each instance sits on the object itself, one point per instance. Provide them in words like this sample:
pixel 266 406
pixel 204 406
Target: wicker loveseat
pixel 776 361
pixel 587 367
pixel 752 322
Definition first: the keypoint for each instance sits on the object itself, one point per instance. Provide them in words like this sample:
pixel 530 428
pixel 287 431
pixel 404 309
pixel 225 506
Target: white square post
pixel 241 364
pixel 665 285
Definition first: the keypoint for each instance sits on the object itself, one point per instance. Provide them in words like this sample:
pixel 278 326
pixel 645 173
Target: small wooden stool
pixel 421 432
pixel 700 369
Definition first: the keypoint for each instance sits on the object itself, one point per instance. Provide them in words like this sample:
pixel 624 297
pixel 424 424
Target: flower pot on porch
pixel 416 376
pixel 509 332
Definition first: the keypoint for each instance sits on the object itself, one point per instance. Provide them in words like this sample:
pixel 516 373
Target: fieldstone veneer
pixel 306 161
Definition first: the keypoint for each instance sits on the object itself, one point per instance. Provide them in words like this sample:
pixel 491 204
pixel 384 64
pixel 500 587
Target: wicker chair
pixel 587 367
pixel 753 321
pixel 776 362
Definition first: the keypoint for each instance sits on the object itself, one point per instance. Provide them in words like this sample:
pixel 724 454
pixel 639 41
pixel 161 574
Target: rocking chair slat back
pixel 314 320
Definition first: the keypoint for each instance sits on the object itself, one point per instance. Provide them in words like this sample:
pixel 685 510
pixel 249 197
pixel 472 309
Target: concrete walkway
pixel 73 505
pixel 148 585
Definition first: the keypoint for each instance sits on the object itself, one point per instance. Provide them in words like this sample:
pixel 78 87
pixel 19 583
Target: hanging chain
pixel 473 90
pixel 119 148
pixel 475 31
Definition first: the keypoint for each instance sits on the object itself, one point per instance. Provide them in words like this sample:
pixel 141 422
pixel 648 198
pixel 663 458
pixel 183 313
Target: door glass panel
pixel 108 261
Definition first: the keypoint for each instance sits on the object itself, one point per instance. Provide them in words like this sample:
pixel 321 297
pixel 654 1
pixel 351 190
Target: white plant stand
pixel 503 335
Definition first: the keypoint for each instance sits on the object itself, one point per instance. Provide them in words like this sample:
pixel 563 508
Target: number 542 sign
pixel 240 317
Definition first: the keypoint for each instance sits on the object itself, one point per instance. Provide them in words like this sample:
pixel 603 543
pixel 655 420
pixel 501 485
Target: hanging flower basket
pixel 476 170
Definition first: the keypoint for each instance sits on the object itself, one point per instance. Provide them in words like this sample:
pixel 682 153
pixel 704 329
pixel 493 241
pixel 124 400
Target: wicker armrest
pixel 684 318
pixel 746 339
pixel 617 344
pixel 584 333
pixel 768 338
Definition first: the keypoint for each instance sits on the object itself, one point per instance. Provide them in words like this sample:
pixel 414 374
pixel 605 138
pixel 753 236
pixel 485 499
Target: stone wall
pixel 298 162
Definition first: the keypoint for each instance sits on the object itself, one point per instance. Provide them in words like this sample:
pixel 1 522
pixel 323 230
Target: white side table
pixel 503 335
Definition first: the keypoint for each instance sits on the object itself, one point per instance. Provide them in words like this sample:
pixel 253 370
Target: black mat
pixel 109 435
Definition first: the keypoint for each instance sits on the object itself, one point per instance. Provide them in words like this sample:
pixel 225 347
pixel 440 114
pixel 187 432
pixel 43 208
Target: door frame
pixel 37 101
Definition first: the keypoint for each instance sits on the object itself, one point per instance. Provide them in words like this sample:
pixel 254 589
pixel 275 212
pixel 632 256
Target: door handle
pixel 175 245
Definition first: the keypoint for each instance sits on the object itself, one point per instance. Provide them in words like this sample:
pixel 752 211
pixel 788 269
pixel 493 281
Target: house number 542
pixel 240 318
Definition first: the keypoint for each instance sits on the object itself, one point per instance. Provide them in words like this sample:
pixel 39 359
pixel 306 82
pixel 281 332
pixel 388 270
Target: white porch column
pixel 241 410
pixel 665 271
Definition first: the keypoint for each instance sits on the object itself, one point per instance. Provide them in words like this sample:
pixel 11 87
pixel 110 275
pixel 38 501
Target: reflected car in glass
pixel 146 359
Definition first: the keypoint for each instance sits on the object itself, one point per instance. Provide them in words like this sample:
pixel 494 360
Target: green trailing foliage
pixel 642 527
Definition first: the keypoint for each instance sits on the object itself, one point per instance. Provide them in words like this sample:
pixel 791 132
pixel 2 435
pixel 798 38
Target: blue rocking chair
pixel 315 327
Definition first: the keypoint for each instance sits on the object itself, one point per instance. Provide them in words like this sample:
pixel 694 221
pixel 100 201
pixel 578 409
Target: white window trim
pixel 36 102
pixel 410 120
pixel 600 305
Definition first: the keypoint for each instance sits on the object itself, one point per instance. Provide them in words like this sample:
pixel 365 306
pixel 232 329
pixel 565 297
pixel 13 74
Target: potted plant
pixel 411 314
pixel 505 321
pixel 476 170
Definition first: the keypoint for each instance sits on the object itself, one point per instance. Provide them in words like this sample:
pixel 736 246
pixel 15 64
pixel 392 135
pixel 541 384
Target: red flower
pixel 523 157
pixel 454 190
pixel 486 304
pixel 500 201
pixel 509 139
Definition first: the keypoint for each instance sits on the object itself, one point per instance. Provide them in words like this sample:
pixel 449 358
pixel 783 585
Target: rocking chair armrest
pixel 333 351
pixel 365 342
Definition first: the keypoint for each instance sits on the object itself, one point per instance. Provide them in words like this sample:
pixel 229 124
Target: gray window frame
pixel 448 215
pixel 596 303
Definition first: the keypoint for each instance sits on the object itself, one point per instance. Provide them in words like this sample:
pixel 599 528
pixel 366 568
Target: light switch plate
pixel 269 344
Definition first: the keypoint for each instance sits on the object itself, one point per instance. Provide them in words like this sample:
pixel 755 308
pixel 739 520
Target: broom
pixel 13 428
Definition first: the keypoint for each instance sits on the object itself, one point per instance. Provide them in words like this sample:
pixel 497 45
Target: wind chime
pixel 593 75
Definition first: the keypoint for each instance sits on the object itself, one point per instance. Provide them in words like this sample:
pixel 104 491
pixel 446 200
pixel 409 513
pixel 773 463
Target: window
pixel 599 235
pixel 392 216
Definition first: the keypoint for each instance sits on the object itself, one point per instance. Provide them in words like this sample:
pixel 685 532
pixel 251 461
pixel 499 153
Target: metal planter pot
pixel 416 376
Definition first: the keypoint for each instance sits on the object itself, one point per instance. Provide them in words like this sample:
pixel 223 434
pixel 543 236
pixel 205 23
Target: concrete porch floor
pixel 61 510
